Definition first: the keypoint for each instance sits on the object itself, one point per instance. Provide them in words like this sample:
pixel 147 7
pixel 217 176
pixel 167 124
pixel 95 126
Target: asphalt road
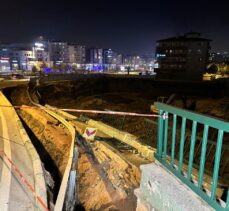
pixel 12 83
pixel 14 195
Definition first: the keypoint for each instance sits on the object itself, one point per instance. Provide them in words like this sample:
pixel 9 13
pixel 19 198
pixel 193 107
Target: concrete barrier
pixel 161 190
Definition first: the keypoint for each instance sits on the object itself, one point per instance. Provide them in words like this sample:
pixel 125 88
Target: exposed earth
pixel 107 173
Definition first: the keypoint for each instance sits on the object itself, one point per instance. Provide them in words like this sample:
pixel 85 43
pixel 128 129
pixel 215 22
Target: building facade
pixel 80 54
pixel 182 57
pixel 22 59
pixel 107 56
pixel 71 54
pixel 59 52
pixel 117 59
pixel 94 56
pixel 19 56
pixel 41 51
pixel 219 57
pixel 5 59
pixel 132 61
pixel 23 56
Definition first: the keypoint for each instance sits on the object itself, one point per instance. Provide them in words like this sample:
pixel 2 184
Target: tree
pixel 128 70
pixel 34 69
pixel 43 65
pixel 212 69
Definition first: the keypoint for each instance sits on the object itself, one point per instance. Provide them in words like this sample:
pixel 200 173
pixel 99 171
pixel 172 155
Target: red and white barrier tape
pixel 24 180
pixel 119 113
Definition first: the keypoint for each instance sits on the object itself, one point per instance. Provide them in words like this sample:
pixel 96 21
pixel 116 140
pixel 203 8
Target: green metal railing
pixel 199 124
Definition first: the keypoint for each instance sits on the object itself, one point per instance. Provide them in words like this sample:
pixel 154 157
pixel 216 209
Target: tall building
pixel 132 61
pixel 108 59
pixel 182 57
pixel 107 56
pixel 41 50
pixel 77 54
pixel 80 54
pixel 94 56
pixel 148 62
pixel 59 52
pixel 117 59
pixel 71 54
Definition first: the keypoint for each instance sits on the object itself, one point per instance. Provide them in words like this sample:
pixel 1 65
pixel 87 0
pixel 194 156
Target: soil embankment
pixel 106 179
pixel 52 134
pixel 137 95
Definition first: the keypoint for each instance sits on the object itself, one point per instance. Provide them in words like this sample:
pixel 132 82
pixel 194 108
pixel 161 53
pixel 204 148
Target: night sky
pixel 123 25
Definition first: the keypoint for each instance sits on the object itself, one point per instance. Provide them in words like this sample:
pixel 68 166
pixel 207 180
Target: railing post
pixel 202 158
pixel 227 202
pixel 198 146
pixel 173 139
pixel 165 136
pixel 160 133
pixel 192 148
pixel 182 144
pixel 217 162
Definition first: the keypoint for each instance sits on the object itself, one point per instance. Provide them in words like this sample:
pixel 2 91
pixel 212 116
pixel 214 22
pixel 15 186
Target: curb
pixel 40 185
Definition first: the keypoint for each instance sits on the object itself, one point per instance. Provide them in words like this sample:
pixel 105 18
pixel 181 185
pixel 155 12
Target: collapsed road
pixel 108 166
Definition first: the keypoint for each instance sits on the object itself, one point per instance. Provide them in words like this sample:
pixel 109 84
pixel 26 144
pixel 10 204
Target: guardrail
pixel 199 124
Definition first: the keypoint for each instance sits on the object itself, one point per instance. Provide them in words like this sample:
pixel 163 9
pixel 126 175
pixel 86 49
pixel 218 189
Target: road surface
pixel 14 195
pixel 12 83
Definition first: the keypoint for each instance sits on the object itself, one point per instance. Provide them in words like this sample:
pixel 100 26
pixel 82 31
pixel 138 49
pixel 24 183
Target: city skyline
pixel 152 53
pixel 127 27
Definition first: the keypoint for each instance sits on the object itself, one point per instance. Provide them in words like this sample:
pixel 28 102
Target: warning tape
pixel 119 113
pixel 24 180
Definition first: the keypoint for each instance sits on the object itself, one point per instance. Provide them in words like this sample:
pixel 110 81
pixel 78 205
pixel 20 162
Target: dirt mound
pixel 106 180
pixel 93 193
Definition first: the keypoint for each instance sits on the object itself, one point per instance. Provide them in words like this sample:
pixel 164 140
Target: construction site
pixel 107 167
